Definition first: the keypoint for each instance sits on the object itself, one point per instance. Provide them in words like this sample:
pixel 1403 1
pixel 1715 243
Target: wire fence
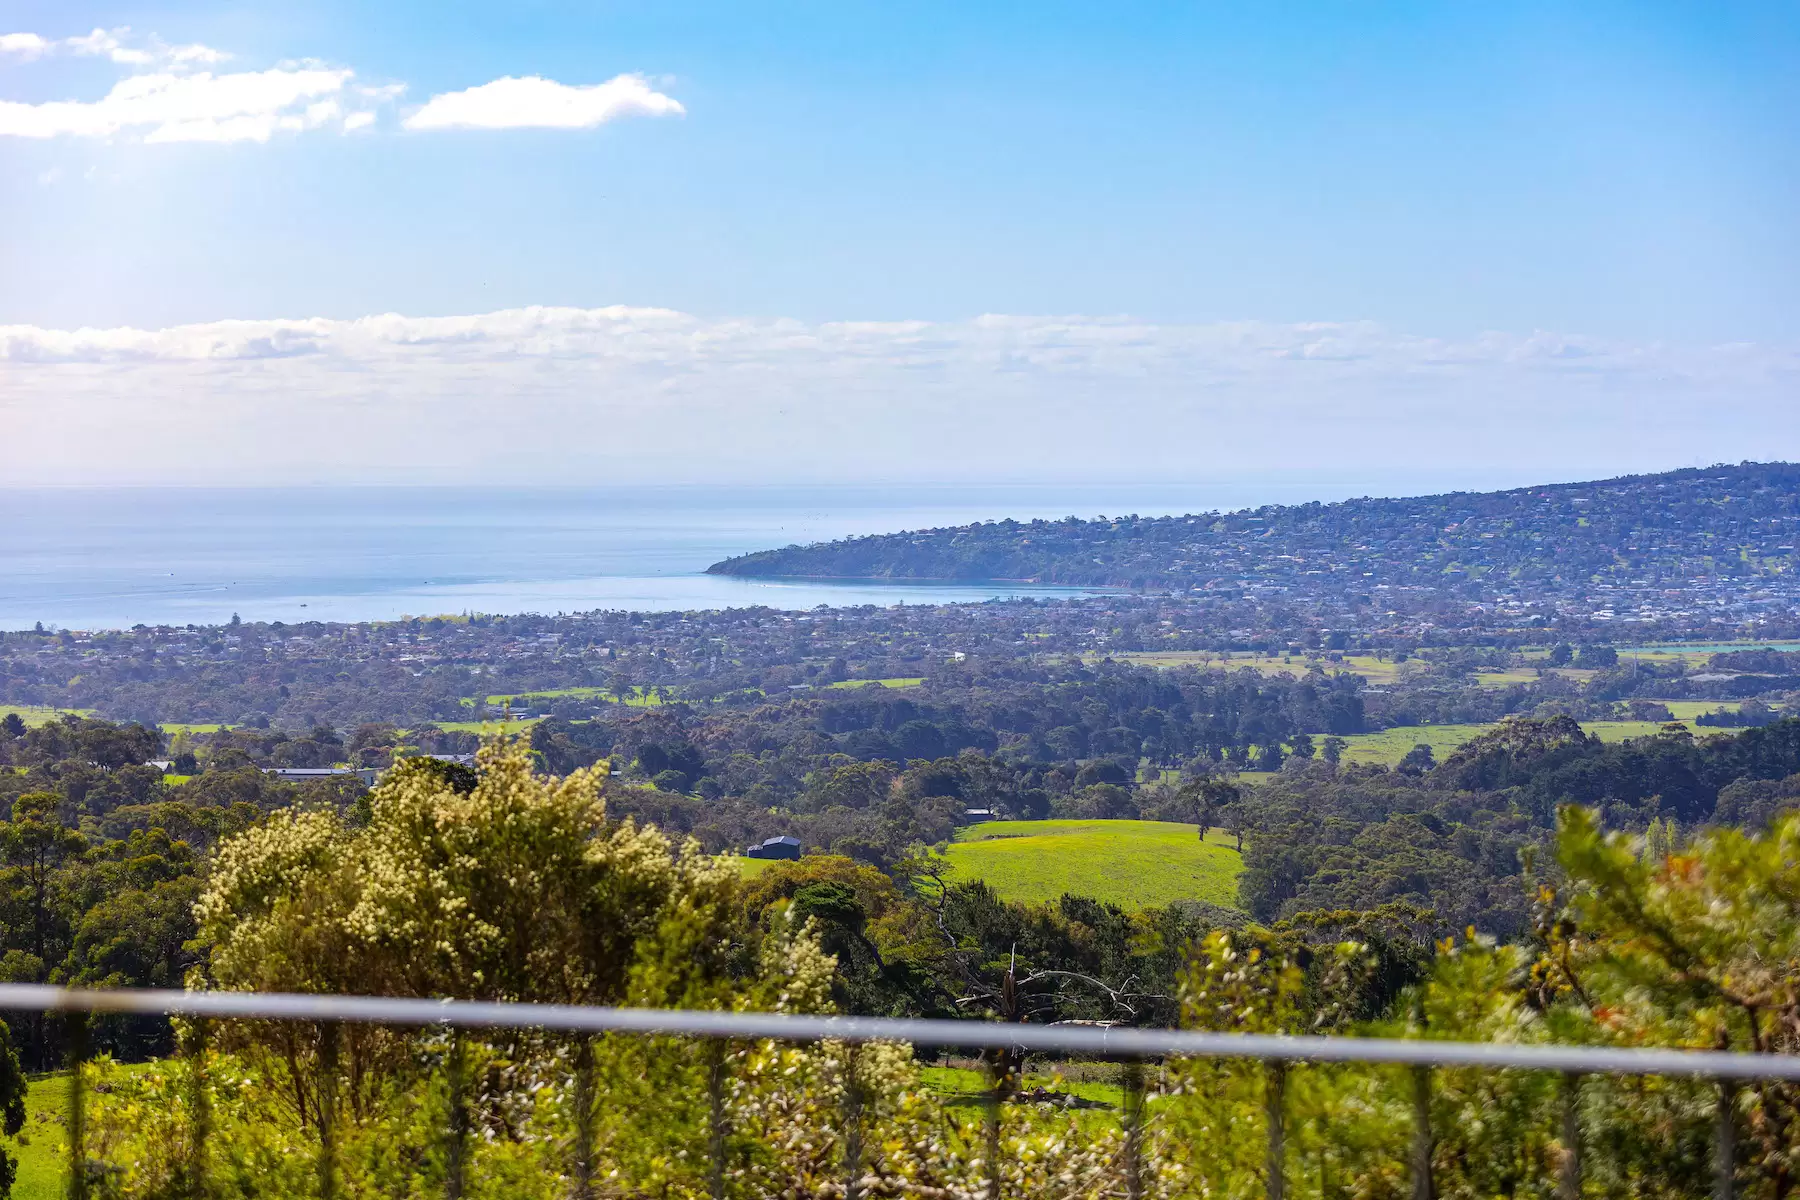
pixel 1130 1046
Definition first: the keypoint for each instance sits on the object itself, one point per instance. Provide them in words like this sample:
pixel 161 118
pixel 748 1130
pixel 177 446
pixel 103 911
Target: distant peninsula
pixel 1635 534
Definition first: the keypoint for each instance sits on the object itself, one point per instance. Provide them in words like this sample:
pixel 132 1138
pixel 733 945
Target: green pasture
pixel 1692 659
pixel 1268 664
pixel 912 681
pixel 39 1146
pixel 1373 670
pixel 1134 864
pixel 37 714
pixel 1090 1081
pixel 1389 746
pixel 959 1086
pixel 1708 649
pixel 640 697
pixel 1500 679
pixel 488 727
pixel 1687 710
pixel 586 693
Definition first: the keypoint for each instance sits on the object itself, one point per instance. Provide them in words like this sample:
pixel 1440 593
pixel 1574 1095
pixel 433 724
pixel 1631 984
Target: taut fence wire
pixel 1130 1045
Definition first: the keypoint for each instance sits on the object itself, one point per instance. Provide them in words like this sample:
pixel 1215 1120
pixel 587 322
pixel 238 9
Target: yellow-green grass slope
pixel 1134 864
pixel 36 714
pixel 40 1146
pixel 1389 746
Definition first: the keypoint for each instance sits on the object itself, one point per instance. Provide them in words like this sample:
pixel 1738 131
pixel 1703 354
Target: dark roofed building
pixel 775 847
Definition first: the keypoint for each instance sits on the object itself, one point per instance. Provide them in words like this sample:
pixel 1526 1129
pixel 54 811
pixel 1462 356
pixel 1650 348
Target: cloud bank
pixel 570 395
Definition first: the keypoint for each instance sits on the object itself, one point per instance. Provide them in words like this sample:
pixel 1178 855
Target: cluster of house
pixel 368 775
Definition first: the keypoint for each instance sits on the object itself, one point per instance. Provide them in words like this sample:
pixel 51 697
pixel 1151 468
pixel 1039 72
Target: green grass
pixel 586 693
pixel 1708 648
pixel 1687 710
pixel 1389 746
pixel 967 1087
pixel 1501 679
pixel 192 727
pixel 39 1144
pixel 750 868
pixel 39 1147
pixel 911 681
pixel 1134 864
pixel 641 697
pixel 37 714
pixel 1077 1079
pixel 494 726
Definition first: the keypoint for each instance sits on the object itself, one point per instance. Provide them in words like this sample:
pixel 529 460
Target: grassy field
pixel 913 681
pixel 1135 864
pixel 1090 1081
pixel 39 1144
pixel 1687 710
pixel 1501 679
pixel 36 714
pixel 495 726
pixel 1389 746
pixel 1696 649
pixel 1366 665
pixel 960 1086
pixel 640 697
pixel 1378 671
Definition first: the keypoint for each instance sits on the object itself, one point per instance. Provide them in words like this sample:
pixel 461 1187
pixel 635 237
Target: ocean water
pixel 102 558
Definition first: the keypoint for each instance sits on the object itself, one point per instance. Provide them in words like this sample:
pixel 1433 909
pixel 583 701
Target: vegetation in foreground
pixel 104 860
pixel 512 886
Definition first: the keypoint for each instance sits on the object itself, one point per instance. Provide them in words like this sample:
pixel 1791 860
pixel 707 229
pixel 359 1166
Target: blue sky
pixel 1614 184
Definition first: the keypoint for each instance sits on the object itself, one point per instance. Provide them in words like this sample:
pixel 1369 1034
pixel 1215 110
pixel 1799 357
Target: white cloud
pixel 170 97
pixel 23 45
pixel 637 394
pixel 240 106
pixel 112 44
pixel 534 102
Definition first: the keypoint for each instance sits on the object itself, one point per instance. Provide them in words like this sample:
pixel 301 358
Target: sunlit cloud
pixel 534 102
pixel 114 44
pixel 199 107
pixel 172 95
pixel 24 45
